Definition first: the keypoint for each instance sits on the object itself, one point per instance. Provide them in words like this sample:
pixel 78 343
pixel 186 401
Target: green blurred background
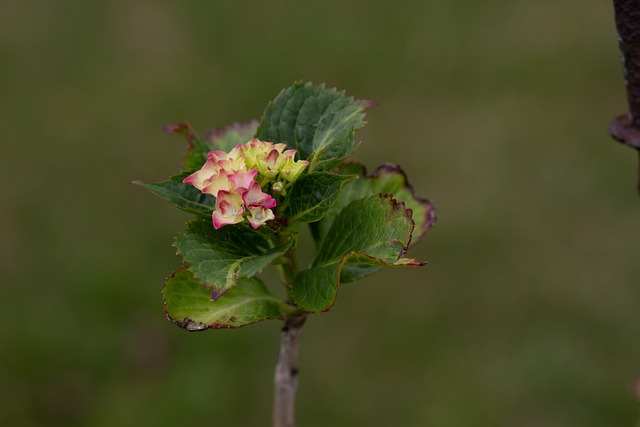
pixel 527 314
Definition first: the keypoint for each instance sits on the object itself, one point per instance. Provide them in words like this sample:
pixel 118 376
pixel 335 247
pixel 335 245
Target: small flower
pixel 202 177
pixel 271 164
pixel 243 179
pixel 259 216
pixel 231 178
pixel 229 209
pixel 229 162
pixel 254 197
pixel 217 183
pixel 255 152
pixel 292 170
pixel 277 186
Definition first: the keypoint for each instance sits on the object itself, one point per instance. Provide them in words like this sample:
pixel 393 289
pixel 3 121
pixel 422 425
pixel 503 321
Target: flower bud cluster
pixel 231 178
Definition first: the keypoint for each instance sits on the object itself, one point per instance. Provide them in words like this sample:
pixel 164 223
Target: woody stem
pixel 285 380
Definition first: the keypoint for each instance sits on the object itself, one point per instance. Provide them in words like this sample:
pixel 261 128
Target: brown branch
pixel 285 380
pixel 628 25
pixel 626 128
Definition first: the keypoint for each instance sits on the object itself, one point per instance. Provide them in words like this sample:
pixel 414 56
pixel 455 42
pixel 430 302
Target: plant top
pixel 253 186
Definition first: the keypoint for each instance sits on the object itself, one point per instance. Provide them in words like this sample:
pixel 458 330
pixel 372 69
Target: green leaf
pixel 374 231
pixel 221 257
pixel 183 196
pixel 312 195
pixel 378 226
pixel 386 179
pixel 318 122
pixel 187 303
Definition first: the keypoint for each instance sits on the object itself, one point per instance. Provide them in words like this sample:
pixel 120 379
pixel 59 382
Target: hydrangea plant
pixel 251 188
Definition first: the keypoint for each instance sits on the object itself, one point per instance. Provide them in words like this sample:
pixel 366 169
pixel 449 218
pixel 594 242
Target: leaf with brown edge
pixel 386 179
pixel 370 232
pixel 187 303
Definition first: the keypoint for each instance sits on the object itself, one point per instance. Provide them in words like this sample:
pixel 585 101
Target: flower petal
pixel 243 179
pixel 254 197
pixel 291 170
pixel 217 183
pixel 199 178
pixel 229 209
pixel 259 216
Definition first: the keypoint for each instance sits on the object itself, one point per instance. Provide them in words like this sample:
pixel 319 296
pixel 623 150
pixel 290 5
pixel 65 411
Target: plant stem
pixel 288 270
pixel 285 380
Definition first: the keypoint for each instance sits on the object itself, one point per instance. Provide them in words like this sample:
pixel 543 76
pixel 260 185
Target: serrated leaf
pixel 386 179
pixel 187 303
pixel 183 196
pixel 318 122
pixel 221 257
pixel 312 195
pixel 374 231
